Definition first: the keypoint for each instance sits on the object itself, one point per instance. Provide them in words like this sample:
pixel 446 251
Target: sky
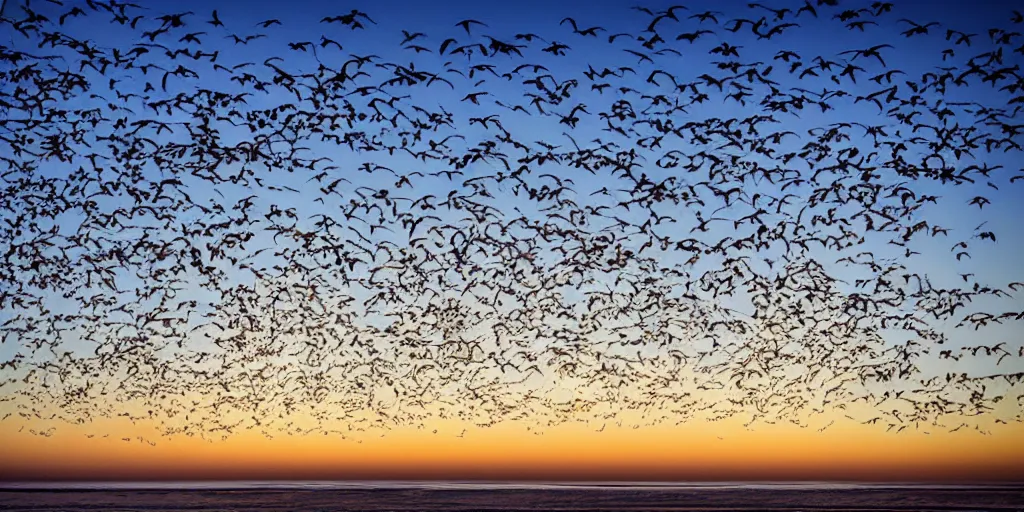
pixel 616 449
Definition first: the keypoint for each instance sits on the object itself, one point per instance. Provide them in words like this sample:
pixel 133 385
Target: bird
pixel 215 20
pixel 465 24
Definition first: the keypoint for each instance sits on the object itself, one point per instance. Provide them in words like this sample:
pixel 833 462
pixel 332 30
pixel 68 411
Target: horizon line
pixel 293 484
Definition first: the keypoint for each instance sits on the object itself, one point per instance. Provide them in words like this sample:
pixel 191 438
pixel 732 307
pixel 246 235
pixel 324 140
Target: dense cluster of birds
pixel 487 228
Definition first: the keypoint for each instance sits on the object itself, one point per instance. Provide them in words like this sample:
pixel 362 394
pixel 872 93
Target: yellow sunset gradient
pixel 695 450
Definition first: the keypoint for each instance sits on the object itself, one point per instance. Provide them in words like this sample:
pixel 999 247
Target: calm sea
pixel 308 496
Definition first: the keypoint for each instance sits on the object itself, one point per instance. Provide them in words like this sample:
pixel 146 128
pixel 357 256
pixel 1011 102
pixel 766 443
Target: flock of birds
pixel 486 228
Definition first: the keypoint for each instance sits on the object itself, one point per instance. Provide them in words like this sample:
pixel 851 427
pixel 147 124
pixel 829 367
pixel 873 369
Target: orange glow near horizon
pixel 509 451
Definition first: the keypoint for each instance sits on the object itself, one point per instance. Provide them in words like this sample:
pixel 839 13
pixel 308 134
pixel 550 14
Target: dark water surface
pixel 381 496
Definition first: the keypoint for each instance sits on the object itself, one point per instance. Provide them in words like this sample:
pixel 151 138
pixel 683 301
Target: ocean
pixel 319 496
